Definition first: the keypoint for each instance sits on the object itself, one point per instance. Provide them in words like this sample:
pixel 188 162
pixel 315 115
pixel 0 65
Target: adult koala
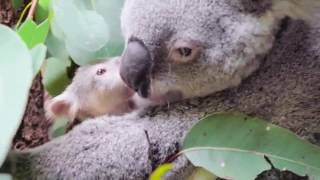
pixel 184 49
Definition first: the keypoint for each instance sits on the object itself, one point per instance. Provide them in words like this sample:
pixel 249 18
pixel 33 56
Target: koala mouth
pixel 143 89
pixel 139 84
pixel 168 97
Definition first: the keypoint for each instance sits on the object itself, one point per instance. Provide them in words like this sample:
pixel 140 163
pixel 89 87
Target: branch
pixel 32 9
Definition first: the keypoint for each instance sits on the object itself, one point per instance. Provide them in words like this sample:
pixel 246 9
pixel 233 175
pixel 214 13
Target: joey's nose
pixel 135 68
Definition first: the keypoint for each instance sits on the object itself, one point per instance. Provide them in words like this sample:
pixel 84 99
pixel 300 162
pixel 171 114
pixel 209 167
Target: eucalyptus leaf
pixel 56 30
pixel 56 47
pixel 234 145
pixel 161 171
pixel 83 57
pixel 111 12
pixel 34 34
pixel 85 29
pixel 15 80
pixel 42 11
pixel 201 174
pixel 90 30
pixel 5 177
pixel 55 76
pixel 58 128
pixel 17 4
pixel 38 54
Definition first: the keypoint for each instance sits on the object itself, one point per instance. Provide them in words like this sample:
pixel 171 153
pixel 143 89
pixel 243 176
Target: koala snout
pixel 136 67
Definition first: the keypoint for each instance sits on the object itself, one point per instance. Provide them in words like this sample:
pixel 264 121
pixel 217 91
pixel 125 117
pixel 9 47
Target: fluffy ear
pixel 61 106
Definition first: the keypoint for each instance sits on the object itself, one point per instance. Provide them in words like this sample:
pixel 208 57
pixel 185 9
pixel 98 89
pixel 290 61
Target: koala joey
pixel 193 48
pixel 96 90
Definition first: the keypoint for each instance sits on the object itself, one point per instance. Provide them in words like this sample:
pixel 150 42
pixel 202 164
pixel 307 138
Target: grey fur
pixel 233 39
pixel 285 91
pixel 187 20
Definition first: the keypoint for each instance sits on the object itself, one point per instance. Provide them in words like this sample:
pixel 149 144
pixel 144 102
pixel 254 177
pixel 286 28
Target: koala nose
pixel 135 67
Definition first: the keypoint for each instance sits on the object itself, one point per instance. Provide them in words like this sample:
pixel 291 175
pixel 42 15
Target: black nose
pixel 136 65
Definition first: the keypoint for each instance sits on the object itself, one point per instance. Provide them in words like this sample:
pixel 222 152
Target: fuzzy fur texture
pixel 234 37
pixel 93 94
pixel 285 90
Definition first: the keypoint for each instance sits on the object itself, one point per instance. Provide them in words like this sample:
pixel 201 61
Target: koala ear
pixel 62 106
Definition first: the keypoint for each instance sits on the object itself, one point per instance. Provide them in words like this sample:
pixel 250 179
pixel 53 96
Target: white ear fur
pixel 62 106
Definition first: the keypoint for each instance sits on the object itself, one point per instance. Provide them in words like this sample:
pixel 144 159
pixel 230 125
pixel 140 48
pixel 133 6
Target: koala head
pixel 190 48
pixel 95 90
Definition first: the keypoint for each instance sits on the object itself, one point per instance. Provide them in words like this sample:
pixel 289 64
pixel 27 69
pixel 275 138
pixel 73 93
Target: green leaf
pixel 90 29
pixel 234 146
pixel 17 4
pixel 26 31
pixel 56 47
pixel 110 10
pixel 42 11
pixel 59 127
pixel 5 177
pixel 57 31
pixel 160 171
pixel 197 174
pixel 83 57
pixel 15 80
pixel 55 77
pixel 38 54
pixel 34 34
pixel 84 28
pixel 201 174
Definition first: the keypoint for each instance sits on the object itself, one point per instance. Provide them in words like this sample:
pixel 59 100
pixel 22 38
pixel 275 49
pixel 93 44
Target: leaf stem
pixel 32 9
pixel 172 158
pixel 93 4
pixel 23 13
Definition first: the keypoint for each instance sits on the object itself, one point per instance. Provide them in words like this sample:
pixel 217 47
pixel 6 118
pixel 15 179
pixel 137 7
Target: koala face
pixel 100 78
pixel 95 90
pixel 189 48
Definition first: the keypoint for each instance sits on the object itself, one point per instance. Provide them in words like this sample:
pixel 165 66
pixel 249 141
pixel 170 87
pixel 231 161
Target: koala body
pixel 285 90
pixel 96 90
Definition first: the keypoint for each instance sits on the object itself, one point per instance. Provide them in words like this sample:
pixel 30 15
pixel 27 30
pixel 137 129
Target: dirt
pixel 33 130
pixel 7 14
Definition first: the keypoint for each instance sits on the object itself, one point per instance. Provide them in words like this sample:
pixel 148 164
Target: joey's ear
pixel 61 107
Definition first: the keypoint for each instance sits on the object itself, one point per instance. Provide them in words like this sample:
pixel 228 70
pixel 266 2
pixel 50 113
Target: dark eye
pixel 184 51
pixel 101 71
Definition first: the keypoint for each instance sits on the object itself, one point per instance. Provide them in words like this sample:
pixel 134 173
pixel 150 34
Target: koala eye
pixel 185 51
pixel 101 71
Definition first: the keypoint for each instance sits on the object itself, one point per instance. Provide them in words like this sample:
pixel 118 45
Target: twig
pixel 172 158
pixel 23 13
pixel 32 9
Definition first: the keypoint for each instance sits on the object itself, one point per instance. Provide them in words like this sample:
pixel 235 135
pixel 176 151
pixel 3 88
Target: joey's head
pixel 189 48
pixel 95 90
